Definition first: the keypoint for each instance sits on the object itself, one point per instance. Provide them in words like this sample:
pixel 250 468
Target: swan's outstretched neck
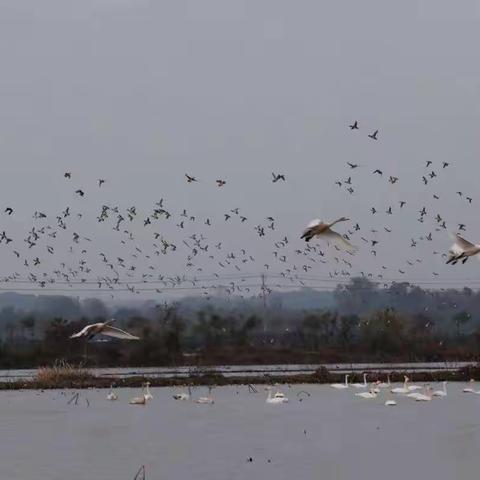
pixel 341 219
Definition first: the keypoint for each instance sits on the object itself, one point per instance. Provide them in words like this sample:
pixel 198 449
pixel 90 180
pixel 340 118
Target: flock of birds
pixel 415 392
pixel 62 251
pixel 364 390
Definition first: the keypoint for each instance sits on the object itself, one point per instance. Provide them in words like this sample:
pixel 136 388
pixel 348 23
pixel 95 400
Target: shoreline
pixel 321 377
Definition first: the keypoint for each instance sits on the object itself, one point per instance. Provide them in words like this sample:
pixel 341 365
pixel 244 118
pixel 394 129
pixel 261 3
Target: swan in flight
pixel 148 395
pixel 206 400
pixel 441 393
pixel 317 228
pixel 104 328
pixel 461 250
pixel 361 385
pixel 341 386
pixel 112 396
pixel 279 397
pixel 403 389
pixel 370 394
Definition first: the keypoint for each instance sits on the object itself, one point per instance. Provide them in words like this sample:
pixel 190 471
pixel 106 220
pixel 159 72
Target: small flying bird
pixel 79 192
pixel 278 177
pixel 190 179
pixel 220 183
pixel 378 171
pixel 402 203
pixel 101 181
pixel 373 135
pixel 67 175
pixel 352 165
pixel 428 163
pixel 90 331
pixel 354 126
pixel 393 180
pixel 9 210
pixel 445 164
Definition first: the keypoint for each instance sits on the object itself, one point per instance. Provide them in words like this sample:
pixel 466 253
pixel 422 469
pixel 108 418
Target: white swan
pixel 317 228
pixel 470 389
pixel 104 328
pixel 370 394
pixel 441 393
pixel 183 395
pixel 390 403
pixel 383 384
pixel 461 250
pixel 361 385
pixel 141 400
pixel 412 388
pixel 401 390
pixel 279 397
pixel 206 400
pixel 426 397
pixel 112 396
pixel 148 395
pixel 341 386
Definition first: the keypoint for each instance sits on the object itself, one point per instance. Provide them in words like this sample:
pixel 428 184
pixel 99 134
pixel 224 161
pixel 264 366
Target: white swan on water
pixel 112 396
pixel 470 389
pixel 183 395
pixel 279 397
pixel 361 385
pixel 148 395
pixel 383 384
pixel 341 386
pixel 401 390
pixel 424 397
pixel 441 393
pixel 206 400
pixel 141 400
pixel 370 394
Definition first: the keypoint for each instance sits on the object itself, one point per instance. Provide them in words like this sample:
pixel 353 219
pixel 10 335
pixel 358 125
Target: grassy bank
pixel 60 377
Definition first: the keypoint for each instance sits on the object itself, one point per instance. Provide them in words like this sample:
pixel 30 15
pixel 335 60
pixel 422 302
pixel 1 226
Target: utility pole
pixel 264 300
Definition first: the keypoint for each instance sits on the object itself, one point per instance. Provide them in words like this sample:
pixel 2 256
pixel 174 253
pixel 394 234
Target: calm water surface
pixel 42 437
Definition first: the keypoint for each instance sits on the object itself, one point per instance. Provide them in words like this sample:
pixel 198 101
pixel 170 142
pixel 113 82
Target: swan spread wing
pixel 82 332
pixel 339 241
pixel 117 333
pixel 461 244
pixel 314 223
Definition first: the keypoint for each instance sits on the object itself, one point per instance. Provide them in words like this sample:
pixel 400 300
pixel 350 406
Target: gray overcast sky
pixel 140 92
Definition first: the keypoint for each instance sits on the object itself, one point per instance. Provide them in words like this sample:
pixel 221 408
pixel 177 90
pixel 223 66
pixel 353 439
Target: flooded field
pixel 321 433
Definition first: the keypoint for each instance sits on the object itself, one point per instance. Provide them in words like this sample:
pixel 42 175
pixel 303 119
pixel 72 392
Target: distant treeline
pixel 366 323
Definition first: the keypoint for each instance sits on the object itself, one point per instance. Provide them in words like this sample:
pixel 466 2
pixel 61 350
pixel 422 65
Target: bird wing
pixel 460 244
pixel 82 332
pixel 110 331
pixel 339 241
pixel 314 223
